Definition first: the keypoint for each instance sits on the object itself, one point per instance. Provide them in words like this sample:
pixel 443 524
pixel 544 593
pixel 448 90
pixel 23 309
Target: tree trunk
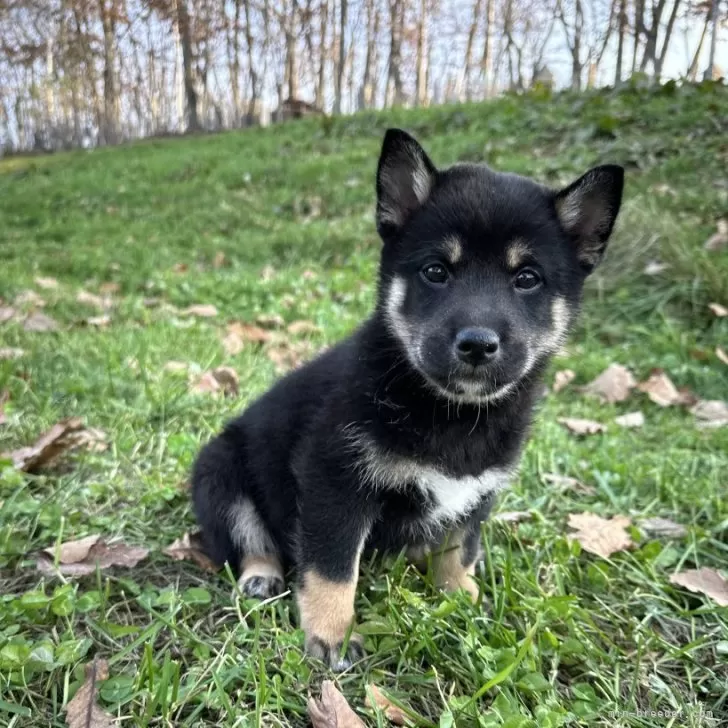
pixel 693 69
pixel 622 30
pixel 321 77
pixel 371 61
pixel 292 77
pixel 340 68
pixel 487 62
pixel 234 66
pixel 660 59
pixel 188 64
pixel 422 56
pixel 395 91
pixel 576 64
pixel 254 81
pixel 710 71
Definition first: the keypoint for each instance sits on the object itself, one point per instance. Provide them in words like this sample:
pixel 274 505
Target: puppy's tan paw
pixel 333 653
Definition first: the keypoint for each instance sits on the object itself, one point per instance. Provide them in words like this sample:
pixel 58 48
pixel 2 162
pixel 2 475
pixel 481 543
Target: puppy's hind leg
pixel 261 572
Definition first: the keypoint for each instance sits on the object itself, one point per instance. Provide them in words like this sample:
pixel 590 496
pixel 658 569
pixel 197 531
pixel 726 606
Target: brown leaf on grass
pixel 663 527
pixel 718 310
pixel 704 581
pixel 331 710
pixel 189 548
pixel 270 321
pixel 7 313
pixel 84 556
pixel 660 389
pixel 100 322
pixel 711 413
pixel 39 322
pixel 48 446
pixel 4 397
pixel 219 260
pixel 600 536
pixel 7 352
pixel 268 273
pixel 82 710
pixel 655 267
pixel 91 299
pixel 562 379
pixel 378 699
pixel 46 283
pixel 300 328
pixel 287 355
pixel 176 366
pixel 613 385
pixel 720 353
pixel 631 419
pixel 223 380
pixel 29 298
pixel 201 310
pixel 109 288
pixel 719 239
pixel 582 427
pixel 566 483
pixel 180 268
pixel 238 334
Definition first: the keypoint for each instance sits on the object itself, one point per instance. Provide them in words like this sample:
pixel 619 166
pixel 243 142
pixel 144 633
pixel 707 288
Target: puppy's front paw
pixel 334 654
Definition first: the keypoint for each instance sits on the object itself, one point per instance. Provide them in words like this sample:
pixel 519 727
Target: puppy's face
pixel 482 272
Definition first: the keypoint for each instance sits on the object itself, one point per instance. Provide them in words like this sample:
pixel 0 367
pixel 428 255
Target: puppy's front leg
pixel 453 566
pixel 331 545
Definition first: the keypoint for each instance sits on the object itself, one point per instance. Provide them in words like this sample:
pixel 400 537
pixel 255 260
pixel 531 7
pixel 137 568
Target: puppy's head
pixel 481 271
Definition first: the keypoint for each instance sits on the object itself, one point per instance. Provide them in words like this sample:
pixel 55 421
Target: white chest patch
pixel 450 497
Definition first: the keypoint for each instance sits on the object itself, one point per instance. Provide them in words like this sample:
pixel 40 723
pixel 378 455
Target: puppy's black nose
pixel 476 346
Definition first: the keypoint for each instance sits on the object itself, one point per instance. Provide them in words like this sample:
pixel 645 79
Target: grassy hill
pixel 279 222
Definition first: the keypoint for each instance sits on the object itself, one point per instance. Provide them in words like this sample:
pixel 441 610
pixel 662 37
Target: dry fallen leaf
pixel 4 397
pixel 719 239
pixel 219 260
pixel 711 413
pixel 99 321
pixel 288 355
pixel 598 535
pixel 655 267
pixel 238 334
pixel 562 379
pixel 39 322
pixel 11 353
pixel 613 384
pixel 109 288
pixel 331 710
pixel 48 446
pixel 91 299
pixel 704 581
pixel 663 527
pixel 180 268
pixel 270 321
pixel 381 701
pixel 29 298
pixel 268 273
pixel 582 427
pixel 718 310
pixel 176 366
pixel 720 353
pixel 201 310
pixel 189 548
pixel 7 313
pixel 84 556
pixel 299 328
pixel 46 283
pixel 221 379
pixel 660 389
pixel 512 516
pixel 631 419
pixel 565 482
pixel 82 710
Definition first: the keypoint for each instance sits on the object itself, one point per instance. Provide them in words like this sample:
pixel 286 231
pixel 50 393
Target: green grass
pixel 562 636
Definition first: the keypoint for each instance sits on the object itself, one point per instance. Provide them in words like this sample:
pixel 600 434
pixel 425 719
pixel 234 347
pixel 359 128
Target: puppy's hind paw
pixel 334 655
pixel 261 587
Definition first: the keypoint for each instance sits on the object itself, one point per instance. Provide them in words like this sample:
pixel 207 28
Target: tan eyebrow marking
pixel 516 253
pixel 454 248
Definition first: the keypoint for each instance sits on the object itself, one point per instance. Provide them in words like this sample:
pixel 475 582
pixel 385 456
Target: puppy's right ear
pixel 405 178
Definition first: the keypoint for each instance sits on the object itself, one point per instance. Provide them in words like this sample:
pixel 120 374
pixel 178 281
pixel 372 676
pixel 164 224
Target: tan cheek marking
pixel 450 573
pixel 516 254
pixel 266 566
pixel 326 608
pixel 454 249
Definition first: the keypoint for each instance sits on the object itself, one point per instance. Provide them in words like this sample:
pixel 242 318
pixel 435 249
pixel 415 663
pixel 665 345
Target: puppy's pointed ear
pixel 587 210
pixel 405 178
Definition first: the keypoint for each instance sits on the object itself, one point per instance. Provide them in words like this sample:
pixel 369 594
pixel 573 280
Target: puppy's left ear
pixel 587 210
pixel 405 178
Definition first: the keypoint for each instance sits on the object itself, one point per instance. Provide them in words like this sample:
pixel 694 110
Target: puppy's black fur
pixel 401 435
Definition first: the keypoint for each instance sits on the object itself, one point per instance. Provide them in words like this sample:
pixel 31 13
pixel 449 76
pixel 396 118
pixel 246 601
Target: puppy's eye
pixel 435 273
pixel 527 279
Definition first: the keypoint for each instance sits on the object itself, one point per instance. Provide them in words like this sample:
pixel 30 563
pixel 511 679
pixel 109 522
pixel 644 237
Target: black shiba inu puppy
pixel 400 436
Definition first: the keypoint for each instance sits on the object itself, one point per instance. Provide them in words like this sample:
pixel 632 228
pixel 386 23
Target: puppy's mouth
pixel 473 385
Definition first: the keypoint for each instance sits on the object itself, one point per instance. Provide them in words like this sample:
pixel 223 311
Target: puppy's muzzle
pixel 476 346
